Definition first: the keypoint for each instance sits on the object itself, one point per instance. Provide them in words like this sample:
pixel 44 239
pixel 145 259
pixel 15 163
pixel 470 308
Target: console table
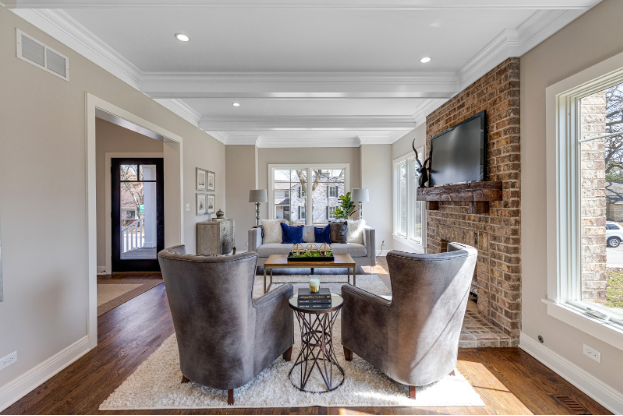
pixel 216 237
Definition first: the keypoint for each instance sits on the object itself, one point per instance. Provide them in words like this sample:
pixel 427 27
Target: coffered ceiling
pixel 305 73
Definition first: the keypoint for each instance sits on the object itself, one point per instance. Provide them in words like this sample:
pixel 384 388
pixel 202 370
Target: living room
pixel 285 146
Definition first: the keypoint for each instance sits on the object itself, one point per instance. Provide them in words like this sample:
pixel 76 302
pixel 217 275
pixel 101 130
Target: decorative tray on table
pixel 311 252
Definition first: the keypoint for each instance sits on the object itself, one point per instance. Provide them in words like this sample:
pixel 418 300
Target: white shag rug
pixel 156 384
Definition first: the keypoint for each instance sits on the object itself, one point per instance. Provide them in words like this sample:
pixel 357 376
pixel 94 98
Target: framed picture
pixel 201 179
pixel 211 204
pixel 211 181
pixel 201 204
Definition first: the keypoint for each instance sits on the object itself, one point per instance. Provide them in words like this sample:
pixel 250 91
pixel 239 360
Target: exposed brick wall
pixel 497 280
pixel 593 200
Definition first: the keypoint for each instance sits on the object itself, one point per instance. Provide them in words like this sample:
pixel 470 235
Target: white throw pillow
pixel 354 233
pixel 272 231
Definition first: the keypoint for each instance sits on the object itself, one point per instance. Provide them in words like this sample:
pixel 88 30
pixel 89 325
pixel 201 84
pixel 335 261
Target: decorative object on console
pixel 201 204
pixel 354 231
pixel 210 204
pixel 346 208
pixel 210 181
pixel 220 214
pixel 360 195
pixel 200 179
pixel 291 234
pixel 216 237
pixel 272 231
pixel 338 232
pixel 258 196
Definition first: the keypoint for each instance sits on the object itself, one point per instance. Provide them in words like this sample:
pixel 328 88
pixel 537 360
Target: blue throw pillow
pixel 322 234
pixel 292 234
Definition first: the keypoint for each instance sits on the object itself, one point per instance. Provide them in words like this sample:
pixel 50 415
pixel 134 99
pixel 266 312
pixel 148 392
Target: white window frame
pixel 308 196
pixel 563 198
pixel 419 248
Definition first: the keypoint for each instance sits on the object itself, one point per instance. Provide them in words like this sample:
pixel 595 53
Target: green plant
pixel 346 208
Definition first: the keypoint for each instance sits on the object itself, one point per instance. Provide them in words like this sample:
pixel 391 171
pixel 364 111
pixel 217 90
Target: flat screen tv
pixel 459 154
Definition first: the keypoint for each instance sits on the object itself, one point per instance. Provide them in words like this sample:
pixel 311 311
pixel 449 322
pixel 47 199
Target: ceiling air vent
pixel 31 50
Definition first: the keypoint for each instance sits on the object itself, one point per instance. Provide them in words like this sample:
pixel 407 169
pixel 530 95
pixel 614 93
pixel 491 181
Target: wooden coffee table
pixel 280 261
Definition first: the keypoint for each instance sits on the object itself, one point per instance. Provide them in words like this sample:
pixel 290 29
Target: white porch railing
pixel 133 236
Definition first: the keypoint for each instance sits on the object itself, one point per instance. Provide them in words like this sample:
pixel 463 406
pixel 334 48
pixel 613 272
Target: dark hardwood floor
pixel 508 380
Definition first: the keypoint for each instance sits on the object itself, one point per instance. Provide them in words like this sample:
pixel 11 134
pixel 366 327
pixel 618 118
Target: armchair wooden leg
pixel 184 379
pixel 348 354
pixel 230 397
pixel 288 354
pixel 452 372
pixel 412 392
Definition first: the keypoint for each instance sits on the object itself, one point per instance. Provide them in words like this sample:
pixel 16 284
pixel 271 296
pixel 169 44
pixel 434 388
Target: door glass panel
pixel 138 206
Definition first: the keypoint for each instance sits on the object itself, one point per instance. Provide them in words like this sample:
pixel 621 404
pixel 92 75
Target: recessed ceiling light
pixel 182 37
pixel 236 104
pixel 426 59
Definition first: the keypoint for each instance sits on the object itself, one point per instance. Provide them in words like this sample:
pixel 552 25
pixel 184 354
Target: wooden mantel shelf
pixel 478 194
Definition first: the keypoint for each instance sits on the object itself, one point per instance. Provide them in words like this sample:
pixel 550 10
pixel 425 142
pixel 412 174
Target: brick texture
pixel 497 279
pixel 593 198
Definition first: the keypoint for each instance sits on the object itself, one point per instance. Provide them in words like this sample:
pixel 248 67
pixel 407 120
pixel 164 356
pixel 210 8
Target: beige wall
pixel 111 138
pixel 43 193
pixel 376 175
pixel 400 148
pixel 240 164
pixel 585 42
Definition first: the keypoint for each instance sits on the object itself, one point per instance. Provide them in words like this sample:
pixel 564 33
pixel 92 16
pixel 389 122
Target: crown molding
pixel 382 123
pixel 516 42
pixel 182 109
pixel 308 4
pixel 221 136
pixel 425 109
pixel 266 142
pixel 243 139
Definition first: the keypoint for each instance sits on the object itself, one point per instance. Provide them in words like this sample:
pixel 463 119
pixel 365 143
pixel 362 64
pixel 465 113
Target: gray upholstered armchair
pixel 414 337
pixel 224 336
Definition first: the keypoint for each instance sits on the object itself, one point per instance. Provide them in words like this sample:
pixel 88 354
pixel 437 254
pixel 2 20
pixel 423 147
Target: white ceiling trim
pixel 304 85
pixel 266 142
pixel 425 109
pixel 319 4
pixel 182 109
pixel 382 123
pixel 221 136
pixel 516 42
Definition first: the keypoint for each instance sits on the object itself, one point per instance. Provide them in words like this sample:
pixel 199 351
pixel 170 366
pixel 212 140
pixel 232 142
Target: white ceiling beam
pixel 302 123
pixel 293 85
pixel 313 4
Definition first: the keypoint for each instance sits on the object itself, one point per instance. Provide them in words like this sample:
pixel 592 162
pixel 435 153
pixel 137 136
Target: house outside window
pixel 584 185
pixel 290 187
pixel 408 212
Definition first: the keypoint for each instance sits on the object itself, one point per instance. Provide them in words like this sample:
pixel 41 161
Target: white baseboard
pixel 383 253
pixel 101 270
pixel 599 391
pixel 24 384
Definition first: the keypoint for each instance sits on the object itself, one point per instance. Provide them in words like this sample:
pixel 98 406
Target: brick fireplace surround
pixel 497 281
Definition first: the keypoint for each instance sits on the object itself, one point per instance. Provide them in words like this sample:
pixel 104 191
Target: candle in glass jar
pixel 314 284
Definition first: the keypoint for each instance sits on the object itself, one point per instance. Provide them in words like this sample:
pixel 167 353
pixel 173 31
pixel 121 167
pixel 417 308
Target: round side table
pixel 317 345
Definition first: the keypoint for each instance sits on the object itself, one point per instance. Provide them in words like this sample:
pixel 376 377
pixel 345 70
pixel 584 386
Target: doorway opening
pixel 137 213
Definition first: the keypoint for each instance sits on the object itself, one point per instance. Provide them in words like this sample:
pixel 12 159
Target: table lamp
pixel 360 195
pixel 258 196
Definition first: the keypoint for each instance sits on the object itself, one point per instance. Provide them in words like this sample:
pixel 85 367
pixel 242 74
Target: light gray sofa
pixel 363 254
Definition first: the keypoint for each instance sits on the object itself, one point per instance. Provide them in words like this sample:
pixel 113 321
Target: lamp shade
pixel 258 195
pixel 360 195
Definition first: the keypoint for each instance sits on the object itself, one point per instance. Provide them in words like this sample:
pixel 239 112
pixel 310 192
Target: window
pixel 408 212
pixel 331 213
pixel 294 188
pixel 585 170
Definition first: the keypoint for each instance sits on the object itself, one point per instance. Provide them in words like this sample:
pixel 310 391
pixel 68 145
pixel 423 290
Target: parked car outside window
pixel 614 234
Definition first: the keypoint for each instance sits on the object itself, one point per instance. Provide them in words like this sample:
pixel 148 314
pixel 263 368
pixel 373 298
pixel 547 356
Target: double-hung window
pixel 408 212
pixel 585 181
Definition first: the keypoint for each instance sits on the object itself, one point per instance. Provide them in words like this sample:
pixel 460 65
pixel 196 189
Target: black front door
pixel 137 214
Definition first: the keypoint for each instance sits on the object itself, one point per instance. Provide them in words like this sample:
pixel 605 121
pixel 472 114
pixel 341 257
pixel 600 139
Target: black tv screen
pixel 459 154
